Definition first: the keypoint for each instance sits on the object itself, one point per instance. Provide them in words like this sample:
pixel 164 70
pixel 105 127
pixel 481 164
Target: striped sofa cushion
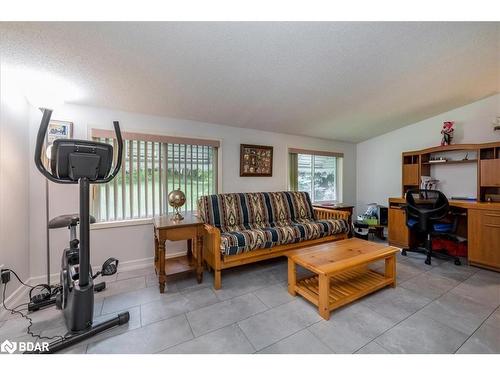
pixel 287 206
pixel 234 211
pixel 237 242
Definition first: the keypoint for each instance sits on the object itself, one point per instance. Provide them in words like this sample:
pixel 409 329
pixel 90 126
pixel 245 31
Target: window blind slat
pixel 107 192
pixel 146 178
pixel 179 164
pixel 124 166
pixel 160 206
pixel 167 174
pixel 138 165
pixel 203 170
pixel 197 171
pixel 130 176
pixel 173 168
pixel 115 188
pixel 164 185
pixel 153 160
pixel 216 166
pixel 211 168
pixel 191 175
pixel 185 175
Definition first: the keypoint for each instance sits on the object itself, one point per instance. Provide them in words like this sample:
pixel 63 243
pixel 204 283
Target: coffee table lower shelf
pixel 344 287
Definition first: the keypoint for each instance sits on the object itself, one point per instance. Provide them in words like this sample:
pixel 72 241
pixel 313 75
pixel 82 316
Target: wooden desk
pixel 189 229
pixel 482 229
pixel 459 204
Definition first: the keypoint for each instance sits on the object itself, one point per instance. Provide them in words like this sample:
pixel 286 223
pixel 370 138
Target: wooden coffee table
pixel 341 272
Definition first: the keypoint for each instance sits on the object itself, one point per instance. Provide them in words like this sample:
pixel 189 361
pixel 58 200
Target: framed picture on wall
pixel 256 161
pixel 56 129
pixel 59 129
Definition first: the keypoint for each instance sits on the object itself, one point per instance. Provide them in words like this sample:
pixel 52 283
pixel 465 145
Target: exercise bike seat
pixel 65 221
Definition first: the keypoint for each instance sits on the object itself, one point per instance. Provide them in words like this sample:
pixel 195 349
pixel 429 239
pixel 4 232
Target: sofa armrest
pixel 211 245
pixel 326 213
pixel 210 229
pixel 211 252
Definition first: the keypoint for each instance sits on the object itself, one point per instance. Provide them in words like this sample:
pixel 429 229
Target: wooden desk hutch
pixel 481 225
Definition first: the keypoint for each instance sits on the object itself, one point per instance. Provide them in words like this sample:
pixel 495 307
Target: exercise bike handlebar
pixel 40 139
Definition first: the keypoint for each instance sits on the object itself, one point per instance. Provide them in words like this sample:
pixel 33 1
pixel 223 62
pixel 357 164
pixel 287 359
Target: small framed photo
pixel 56 130
pixel 59 129
pixel 256 161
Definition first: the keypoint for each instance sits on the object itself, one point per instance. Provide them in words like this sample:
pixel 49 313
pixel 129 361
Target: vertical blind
pixel 152 167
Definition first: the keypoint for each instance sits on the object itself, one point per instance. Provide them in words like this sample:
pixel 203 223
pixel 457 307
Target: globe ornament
pixel 176 199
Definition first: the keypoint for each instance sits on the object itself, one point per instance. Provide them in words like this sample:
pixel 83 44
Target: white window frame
pixel 339 158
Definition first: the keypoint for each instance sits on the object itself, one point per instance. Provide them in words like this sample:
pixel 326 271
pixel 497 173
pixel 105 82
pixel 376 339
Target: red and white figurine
pixel 447 133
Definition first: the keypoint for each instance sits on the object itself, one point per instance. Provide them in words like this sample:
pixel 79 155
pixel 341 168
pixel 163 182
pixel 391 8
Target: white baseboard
pixel 135 264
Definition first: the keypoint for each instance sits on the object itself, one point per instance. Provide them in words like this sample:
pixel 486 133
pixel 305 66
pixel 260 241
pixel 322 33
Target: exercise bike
pixel 57 295
pixel 84 163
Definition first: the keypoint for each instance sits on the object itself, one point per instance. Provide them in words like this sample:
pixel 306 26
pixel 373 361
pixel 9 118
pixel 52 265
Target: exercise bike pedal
pixel 99 287
pixel 110 267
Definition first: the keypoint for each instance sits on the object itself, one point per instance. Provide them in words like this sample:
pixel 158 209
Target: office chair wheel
pixel 403 252
pixel 458 262
pixel 428 261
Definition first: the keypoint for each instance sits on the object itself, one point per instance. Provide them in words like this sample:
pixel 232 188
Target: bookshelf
pixel 485 155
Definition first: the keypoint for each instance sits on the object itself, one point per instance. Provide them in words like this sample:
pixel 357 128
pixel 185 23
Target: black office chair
pixel 424 211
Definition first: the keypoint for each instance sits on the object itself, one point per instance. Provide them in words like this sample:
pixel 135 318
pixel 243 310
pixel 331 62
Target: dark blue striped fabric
pixel 233 243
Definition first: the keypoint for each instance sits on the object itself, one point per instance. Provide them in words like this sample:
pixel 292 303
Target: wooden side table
pixel 191 230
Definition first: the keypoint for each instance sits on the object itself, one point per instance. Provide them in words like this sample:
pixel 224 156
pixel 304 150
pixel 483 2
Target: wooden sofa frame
pixel 217 262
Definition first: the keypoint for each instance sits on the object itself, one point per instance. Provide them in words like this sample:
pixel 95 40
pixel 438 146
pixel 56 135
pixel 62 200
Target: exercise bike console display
pixel 84 163
pixel 74 159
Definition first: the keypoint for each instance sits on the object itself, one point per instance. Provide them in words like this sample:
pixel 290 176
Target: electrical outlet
pixel 4 275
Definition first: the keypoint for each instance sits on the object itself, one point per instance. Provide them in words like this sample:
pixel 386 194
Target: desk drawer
pixel 491 218
pixel 398 231
pixel 484 238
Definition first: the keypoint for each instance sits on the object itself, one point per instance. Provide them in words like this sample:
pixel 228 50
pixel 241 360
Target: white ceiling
pixel 346 81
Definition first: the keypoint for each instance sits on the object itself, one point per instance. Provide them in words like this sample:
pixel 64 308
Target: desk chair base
pixel 427 250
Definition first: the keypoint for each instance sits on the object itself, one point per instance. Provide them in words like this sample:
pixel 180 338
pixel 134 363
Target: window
pixel 316 172
pixel 152 167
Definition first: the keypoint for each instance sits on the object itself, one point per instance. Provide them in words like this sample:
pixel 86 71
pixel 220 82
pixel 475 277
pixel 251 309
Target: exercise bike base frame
pixel 59 345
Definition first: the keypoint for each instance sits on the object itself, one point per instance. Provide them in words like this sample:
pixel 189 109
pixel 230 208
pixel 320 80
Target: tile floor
pixel 434 309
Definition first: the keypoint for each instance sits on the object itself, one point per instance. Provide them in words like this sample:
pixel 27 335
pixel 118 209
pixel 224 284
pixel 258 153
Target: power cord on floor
pixel 16 310
pixel 50 291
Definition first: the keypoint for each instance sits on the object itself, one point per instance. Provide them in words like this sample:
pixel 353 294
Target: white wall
pixel 136 243
pixel 14 197
pixel 379 159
